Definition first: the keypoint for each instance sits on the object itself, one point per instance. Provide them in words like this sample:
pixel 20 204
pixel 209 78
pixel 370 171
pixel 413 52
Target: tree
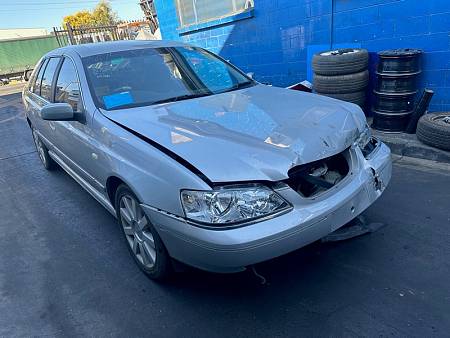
pixel 81 18
pixel 101 15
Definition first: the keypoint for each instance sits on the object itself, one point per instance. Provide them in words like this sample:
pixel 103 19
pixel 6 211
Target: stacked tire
pixel 342 74
pixel 434 129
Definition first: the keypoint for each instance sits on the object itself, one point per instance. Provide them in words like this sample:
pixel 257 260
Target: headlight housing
pixel 233 205
pixel 366 142
pixel 364 138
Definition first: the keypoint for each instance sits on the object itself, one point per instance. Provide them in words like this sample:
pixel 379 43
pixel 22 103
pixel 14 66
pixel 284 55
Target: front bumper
pixel 309 220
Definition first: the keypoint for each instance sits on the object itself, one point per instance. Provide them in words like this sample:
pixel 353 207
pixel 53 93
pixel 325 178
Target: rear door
pixel 46 95
pixel 42 91
pixel 33 103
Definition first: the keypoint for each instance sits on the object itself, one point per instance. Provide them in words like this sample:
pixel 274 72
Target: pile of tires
pixel 342 74
pixel 434 129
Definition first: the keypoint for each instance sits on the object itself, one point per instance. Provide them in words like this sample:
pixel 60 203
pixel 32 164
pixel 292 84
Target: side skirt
pixel 89 188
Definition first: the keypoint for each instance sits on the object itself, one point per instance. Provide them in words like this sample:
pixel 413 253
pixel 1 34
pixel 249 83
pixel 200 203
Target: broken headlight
pixel 366 142
pixel 364 138
pixel 231 205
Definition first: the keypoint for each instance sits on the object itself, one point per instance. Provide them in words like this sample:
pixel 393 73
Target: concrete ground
pixel 65 269
pixel 11 88
pixel 409 145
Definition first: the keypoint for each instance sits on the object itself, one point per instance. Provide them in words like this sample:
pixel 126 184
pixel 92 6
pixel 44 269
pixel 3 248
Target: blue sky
pixel 49 13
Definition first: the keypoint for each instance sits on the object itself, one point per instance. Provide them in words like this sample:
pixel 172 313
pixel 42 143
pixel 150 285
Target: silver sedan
pixel 200 163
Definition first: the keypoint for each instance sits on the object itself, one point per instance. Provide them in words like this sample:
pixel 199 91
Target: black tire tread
pixel 358 98
pixel 340 64
pixel 432 133
pixel 341 84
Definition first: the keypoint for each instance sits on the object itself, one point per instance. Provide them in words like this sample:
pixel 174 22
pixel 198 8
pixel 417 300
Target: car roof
pixel 89 49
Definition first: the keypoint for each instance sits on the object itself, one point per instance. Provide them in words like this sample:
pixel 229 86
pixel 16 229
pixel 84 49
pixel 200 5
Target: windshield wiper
pixel 180 97
pixel 192 96
pixel 238 86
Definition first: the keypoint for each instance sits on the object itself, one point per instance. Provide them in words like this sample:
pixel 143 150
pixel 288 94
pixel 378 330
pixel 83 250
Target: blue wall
pixel 274 42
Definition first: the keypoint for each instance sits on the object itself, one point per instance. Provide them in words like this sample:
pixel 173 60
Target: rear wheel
pixel 42 150
pixel 144 243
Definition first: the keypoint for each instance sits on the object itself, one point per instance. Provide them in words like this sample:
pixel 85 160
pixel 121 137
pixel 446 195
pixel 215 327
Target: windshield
pixel 148 76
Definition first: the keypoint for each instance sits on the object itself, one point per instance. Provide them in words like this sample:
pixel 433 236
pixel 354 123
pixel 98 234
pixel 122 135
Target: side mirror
pixel 57 112
pixel 250 75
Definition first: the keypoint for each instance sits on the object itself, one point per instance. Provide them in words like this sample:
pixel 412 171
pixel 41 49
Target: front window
pixel 67 88
pixel 149 76
pixel 191 12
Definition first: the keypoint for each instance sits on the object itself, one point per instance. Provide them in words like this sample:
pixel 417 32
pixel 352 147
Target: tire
pixel 358 98
pixel 433 130
pixel 143 242
pixel 340 61
pixel 42 151
pixel 27 74
pixel 341 84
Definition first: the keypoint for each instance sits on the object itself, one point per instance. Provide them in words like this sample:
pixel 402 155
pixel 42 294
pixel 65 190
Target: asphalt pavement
pixel 65 269
pixel 11 88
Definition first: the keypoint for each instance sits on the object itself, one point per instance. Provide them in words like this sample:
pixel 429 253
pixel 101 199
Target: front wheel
pixel 143 241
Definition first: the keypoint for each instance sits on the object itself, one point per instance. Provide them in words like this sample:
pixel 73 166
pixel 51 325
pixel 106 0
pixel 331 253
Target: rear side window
pixel 67 86
pixel 32 79
pixel 36 86
pixel 47 79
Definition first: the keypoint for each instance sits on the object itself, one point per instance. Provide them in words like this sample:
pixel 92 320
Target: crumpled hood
pixel 257 133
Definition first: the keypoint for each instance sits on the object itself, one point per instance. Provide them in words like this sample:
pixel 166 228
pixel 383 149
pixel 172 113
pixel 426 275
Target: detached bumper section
pixel 310 219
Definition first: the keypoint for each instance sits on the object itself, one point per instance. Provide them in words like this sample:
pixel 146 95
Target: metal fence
pixel 87 34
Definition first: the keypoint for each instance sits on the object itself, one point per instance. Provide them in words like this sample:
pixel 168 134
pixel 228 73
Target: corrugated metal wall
pixel 20 54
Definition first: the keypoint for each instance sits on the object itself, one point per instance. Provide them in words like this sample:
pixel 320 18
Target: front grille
pixel 316 177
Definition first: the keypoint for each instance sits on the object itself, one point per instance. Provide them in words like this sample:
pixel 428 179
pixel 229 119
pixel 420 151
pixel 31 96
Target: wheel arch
pixel 113 182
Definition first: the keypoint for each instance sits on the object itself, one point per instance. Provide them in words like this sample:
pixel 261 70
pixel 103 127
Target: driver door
pixel 74 138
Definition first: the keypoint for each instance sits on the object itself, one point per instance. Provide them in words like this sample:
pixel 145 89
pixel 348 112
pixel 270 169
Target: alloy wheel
pixel 136 227
pixel 39 147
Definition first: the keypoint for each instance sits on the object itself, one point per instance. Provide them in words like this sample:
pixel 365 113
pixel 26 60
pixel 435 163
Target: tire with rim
pixel 143 242
pixel 434 129
pixel 27 74
pixel 341 84
pixel 358 98
pixel 42 151
pixel 340 61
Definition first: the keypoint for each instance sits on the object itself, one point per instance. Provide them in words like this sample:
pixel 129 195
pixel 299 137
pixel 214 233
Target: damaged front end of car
pixel 314 178
pixel 316 199
pixel 364 168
